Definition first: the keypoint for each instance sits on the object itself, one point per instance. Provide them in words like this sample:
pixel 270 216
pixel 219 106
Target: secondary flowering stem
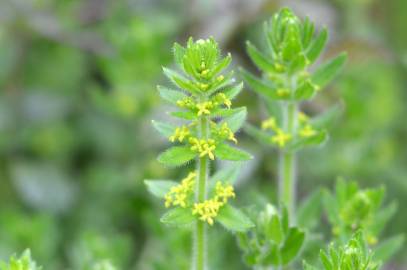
pixel 203 171
pixel 287 160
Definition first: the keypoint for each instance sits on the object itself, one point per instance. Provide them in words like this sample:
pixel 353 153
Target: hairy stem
pixel 200 244
pixel 287 159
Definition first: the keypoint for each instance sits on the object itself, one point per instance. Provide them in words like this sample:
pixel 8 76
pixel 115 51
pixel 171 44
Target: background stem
pixel 287 159
pixel 200 243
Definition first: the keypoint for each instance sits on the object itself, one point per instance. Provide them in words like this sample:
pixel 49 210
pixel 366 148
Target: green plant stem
pixel 200 243
pixel 287 160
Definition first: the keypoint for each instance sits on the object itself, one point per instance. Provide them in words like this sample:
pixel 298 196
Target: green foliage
pixel 24 262
pixel 352 209
pixel 354 255
pixel 273 242
pixel 292 49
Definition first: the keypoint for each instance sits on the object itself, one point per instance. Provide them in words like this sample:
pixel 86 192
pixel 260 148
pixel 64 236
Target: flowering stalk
pixel 204 96
pixel 292 48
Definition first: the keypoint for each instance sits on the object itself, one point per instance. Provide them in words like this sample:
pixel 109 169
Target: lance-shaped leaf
pixel 236 120
pixel 386 249
pixel 186 115
pixel 232 91
pixel 225 112
pixel 326 118
pixel 309 211
pixel 176 156
pixel 159 187
pixel 179 53
pixel 181 81
pixel 317 46
pixel 224 63
pixel 233 219
pixel 226 175
pixel 259 59
pixel 217 85
pixel 178 217
pixel 258 134
pixel 164 129
pixel 259 86
pixel 317 139
pixel 327 71
pixel 292 245
pixel 308 32
pixel 224 151
pixel 305 91
pixel 172 96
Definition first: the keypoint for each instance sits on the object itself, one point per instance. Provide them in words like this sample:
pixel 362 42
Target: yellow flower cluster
pixel 203 147
pixel 179 194
pixel 180 134
pixel 222 99
pixel 224 132
pixel 204 107
pixel 270 123
pixel 306 130
pixel 187 102
pixel 280 138
pixel 209 209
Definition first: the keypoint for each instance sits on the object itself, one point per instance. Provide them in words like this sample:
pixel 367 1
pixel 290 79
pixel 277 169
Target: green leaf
pixel 233 219
pixel 318 139
pixel 236 120
pixel 159 187
pixel 178 217
pixel 259 86
pixel 226 152
pixel 259 59
pixel 317 46
pixel 274 230
pixel 327 71
pixel 325 260
pixel 309 211
pixel 328 117
pixel 163 128
pixel 176 156
pixel 172 96
pixel 258 134
pixel 186 115
pixel 226 175
pixel 386 249
pixel 233 91
pixel 305 91
pixel 331 207
pixel 181 81
pixel 307 266
pixel 224 63
pixel 271 255
pixel 292 245
pixel 179 53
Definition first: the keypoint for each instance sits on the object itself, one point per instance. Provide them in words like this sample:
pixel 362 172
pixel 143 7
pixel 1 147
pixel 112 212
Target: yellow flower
pixel 303 117
pixel 187 102
pixel 179 194
pixel 203 147
pixel 281 138
pixel 220 78
pixel 270 123
pixel 222 98
pixel 283 92
pixel 180 134
pixel 224 192
pixel 307 131
pixel 209 209
pixel 208 148
pixel 204 107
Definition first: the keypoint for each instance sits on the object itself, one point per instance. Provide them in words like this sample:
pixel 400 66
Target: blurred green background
pixel 77 94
